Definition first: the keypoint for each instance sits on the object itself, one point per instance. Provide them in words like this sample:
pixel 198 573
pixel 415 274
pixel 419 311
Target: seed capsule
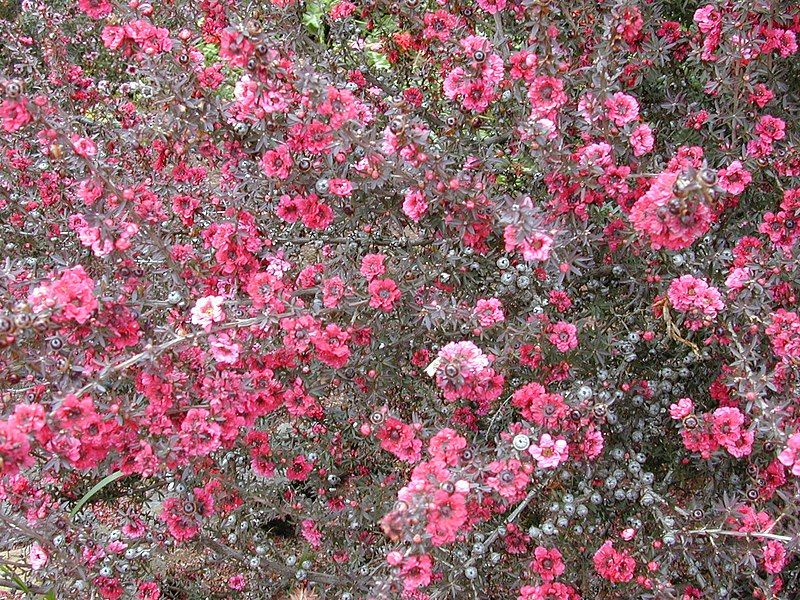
pixel 708 177
pixel 396 126
pixel 6 325
pixel 521 442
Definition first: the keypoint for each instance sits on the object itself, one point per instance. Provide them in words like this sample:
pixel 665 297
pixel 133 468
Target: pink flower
pixel 563 336
pixel 508 479
pixel 535 246
pixel 224 349
pixel 642 140
pixel 400 439
pixel 70 296
pixel 372 265
pixel 313 213
pixel 537 405
pixel 707 18
pixel 617 567
pixel 761 95
pixel 523 65
pixel 383 294
pixel 277 163
pixel 683 408
pixel 737 278
pixel 548 563
pixel 549 591
pixel 726 424
pixel 446 446
pixel 459 363
pixel 330 345
pixel 37 557
pixel 416 572
pixel 790 456
pixel 332 292
pixel 699 301
pixel 735 178
pixel 492 6
pixel 342 10
pixel 207 311
pixel 774 557
pixel 622 109
pixel 198 435
pixel 771 128
pixel 477 95
pixel 96 9
pixel 311 533
pixel 415 204
pixel 299 469
pixel 546 94
pixel 14 114
pixel 466 357
pixel 237 582
pixel 488 312
pixel 340 187
pixel 438 25
pixel 151 39
pixel 235 47
pixel 672 225
pixel 83 146
pixel 549 453
pixel 447 512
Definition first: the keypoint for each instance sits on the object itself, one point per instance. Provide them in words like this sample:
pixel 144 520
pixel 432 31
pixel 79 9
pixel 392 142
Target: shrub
pixel 400 299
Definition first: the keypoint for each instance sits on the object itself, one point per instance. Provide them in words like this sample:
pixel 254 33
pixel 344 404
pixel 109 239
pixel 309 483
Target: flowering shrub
pixel 381 299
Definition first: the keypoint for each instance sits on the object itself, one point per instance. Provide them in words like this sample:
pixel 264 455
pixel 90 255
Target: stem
pixel 312 576
pixel 511 518
pixel 741 534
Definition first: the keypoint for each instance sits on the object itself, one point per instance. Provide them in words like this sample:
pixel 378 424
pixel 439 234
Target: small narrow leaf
pixel 92 492
pixel 16 579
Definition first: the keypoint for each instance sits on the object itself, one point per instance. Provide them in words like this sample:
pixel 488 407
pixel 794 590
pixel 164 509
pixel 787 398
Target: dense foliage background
pixel 380 299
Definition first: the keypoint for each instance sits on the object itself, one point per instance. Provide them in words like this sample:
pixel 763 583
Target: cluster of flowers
pixel 707 432
pixel 464 372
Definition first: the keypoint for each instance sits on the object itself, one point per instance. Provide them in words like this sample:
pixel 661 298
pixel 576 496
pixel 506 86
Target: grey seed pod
pixel 521 442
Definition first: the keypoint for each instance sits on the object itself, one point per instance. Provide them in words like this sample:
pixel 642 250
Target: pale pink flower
pixel 737 278
pixel 37 557
pixel 83 146
pixel 224 349
pixel 535 246
pixel 549 453
pixel 340 187
pixel 681 409
pixel 207 311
